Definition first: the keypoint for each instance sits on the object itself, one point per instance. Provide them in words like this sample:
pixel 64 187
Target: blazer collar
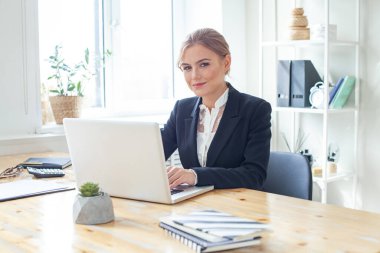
pixel 225 129
pixel 191 124
pixel 227 125
pixel 195 111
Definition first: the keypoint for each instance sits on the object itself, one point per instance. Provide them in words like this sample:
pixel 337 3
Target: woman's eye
pixel 186 68
pixel 204 64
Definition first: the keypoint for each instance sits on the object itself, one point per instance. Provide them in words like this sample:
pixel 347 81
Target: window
pixel 144 37
pixel 74 25
pixel 140 36
pixel 137 32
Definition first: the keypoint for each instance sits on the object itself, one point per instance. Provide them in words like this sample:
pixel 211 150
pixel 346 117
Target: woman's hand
pixel 178 175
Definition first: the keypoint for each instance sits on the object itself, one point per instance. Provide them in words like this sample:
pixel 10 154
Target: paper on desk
pixel 27 188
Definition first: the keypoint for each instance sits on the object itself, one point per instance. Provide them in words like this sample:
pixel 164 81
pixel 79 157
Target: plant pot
pixel 93 210
pixel 66 107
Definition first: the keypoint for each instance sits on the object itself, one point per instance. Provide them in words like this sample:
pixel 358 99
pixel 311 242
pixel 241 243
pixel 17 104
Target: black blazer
pixel 239 153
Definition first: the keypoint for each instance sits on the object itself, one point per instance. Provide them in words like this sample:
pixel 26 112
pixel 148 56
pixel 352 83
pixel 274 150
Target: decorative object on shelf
pixel 70 81
pixel 318 32
pixel 92 206
pixel 316 170
pixel 308 156
pixel 332 165
pixel 316 97
pixel 332 158
pixel 300 141
pixel 298 29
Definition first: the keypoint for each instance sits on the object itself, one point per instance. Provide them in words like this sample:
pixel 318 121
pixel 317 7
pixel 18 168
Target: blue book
pixel 335 89
pixel 343 93
pixel 47 162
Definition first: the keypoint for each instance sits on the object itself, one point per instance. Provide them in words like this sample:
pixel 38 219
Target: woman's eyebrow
pixel 204 59
pixel 201 60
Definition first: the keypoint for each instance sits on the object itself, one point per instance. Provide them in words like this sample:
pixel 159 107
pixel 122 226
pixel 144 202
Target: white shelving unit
pixel 326 115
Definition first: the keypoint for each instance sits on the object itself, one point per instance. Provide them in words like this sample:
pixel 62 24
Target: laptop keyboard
pixel 174 191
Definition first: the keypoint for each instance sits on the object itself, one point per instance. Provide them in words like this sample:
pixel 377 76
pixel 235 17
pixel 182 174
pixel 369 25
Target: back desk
pixel 44 223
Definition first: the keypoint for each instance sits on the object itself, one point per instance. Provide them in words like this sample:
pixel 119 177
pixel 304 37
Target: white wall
pixel 227 17
pixel 234 22
pixel 19 76
pixel 369 137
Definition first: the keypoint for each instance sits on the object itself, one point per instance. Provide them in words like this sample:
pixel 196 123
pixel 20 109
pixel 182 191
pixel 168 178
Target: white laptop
pixel 125 158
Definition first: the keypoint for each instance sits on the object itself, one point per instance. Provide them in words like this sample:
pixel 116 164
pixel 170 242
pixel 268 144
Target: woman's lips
pixel 198 85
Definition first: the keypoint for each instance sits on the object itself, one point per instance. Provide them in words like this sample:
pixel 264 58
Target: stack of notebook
pixel 210 231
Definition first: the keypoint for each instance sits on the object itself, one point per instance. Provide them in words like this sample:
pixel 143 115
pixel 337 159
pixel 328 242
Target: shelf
pixel 312 110
pixel 339 176
pixel 325 53
pixel 307 43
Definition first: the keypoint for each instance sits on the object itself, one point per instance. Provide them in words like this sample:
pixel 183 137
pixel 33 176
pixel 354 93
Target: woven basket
pixel 297 11
pixel 66 107
pixel 299 21
pixel 298 33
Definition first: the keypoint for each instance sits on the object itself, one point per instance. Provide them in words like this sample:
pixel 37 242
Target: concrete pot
pixel 93 210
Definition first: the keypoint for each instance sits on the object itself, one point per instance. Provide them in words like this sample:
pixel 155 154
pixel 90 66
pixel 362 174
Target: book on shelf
pixel 47 162
pixel 343 93
pixel 210 231
pixel 335 89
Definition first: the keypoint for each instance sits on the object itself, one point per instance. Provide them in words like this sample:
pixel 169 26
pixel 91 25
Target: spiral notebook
pixel 210 230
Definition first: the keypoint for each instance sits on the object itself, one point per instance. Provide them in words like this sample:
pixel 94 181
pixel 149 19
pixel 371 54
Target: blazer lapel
pixel 227 124
pixel 191 124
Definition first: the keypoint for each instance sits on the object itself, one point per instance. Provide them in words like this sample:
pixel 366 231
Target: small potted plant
pixel 92 206
pixel 67 98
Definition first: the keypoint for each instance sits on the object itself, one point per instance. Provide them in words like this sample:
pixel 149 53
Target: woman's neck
pixel 209 101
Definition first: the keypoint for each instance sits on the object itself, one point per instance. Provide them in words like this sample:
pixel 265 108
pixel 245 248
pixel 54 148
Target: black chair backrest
pixel 289 174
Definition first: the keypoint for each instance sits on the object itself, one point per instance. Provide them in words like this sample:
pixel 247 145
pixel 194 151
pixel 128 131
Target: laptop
pixel 125 158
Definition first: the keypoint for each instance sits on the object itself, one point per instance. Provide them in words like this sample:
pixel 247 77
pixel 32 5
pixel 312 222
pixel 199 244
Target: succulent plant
pixel 89 189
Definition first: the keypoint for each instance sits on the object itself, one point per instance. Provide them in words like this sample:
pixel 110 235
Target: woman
pixel 222 135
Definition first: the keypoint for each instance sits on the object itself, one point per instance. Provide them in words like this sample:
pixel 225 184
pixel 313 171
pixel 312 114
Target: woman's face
pixel 204 71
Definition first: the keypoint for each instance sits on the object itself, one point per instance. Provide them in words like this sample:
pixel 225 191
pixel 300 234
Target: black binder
pixel 302 78
pixel 283 83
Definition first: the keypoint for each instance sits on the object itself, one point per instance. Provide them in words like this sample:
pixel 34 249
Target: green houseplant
pixel 69 80
pixel 68 91
pixel 92 206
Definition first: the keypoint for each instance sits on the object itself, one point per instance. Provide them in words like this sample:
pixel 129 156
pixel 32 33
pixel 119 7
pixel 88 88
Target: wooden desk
pixel 44 223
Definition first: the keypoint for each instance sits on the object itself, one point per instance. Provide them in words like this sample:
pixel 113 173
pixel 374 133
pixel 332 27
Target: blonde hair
pixel 208 38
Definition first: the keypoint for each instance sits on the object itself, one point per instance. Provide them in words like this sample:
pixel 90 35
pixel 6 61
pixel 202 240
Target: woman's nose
pixel 195 73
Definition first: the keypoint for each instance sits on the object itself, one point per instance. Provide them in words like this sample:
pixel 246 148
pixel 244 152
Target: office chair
pixel 289 174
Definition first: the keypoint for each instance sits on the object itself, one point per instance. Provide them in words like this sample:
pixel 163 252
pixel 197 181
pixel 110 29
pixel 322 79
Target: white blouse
pixel 207 125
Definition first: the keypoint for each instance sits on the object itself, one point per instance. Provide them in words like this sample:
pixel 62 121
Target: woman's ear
pixel 227 63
